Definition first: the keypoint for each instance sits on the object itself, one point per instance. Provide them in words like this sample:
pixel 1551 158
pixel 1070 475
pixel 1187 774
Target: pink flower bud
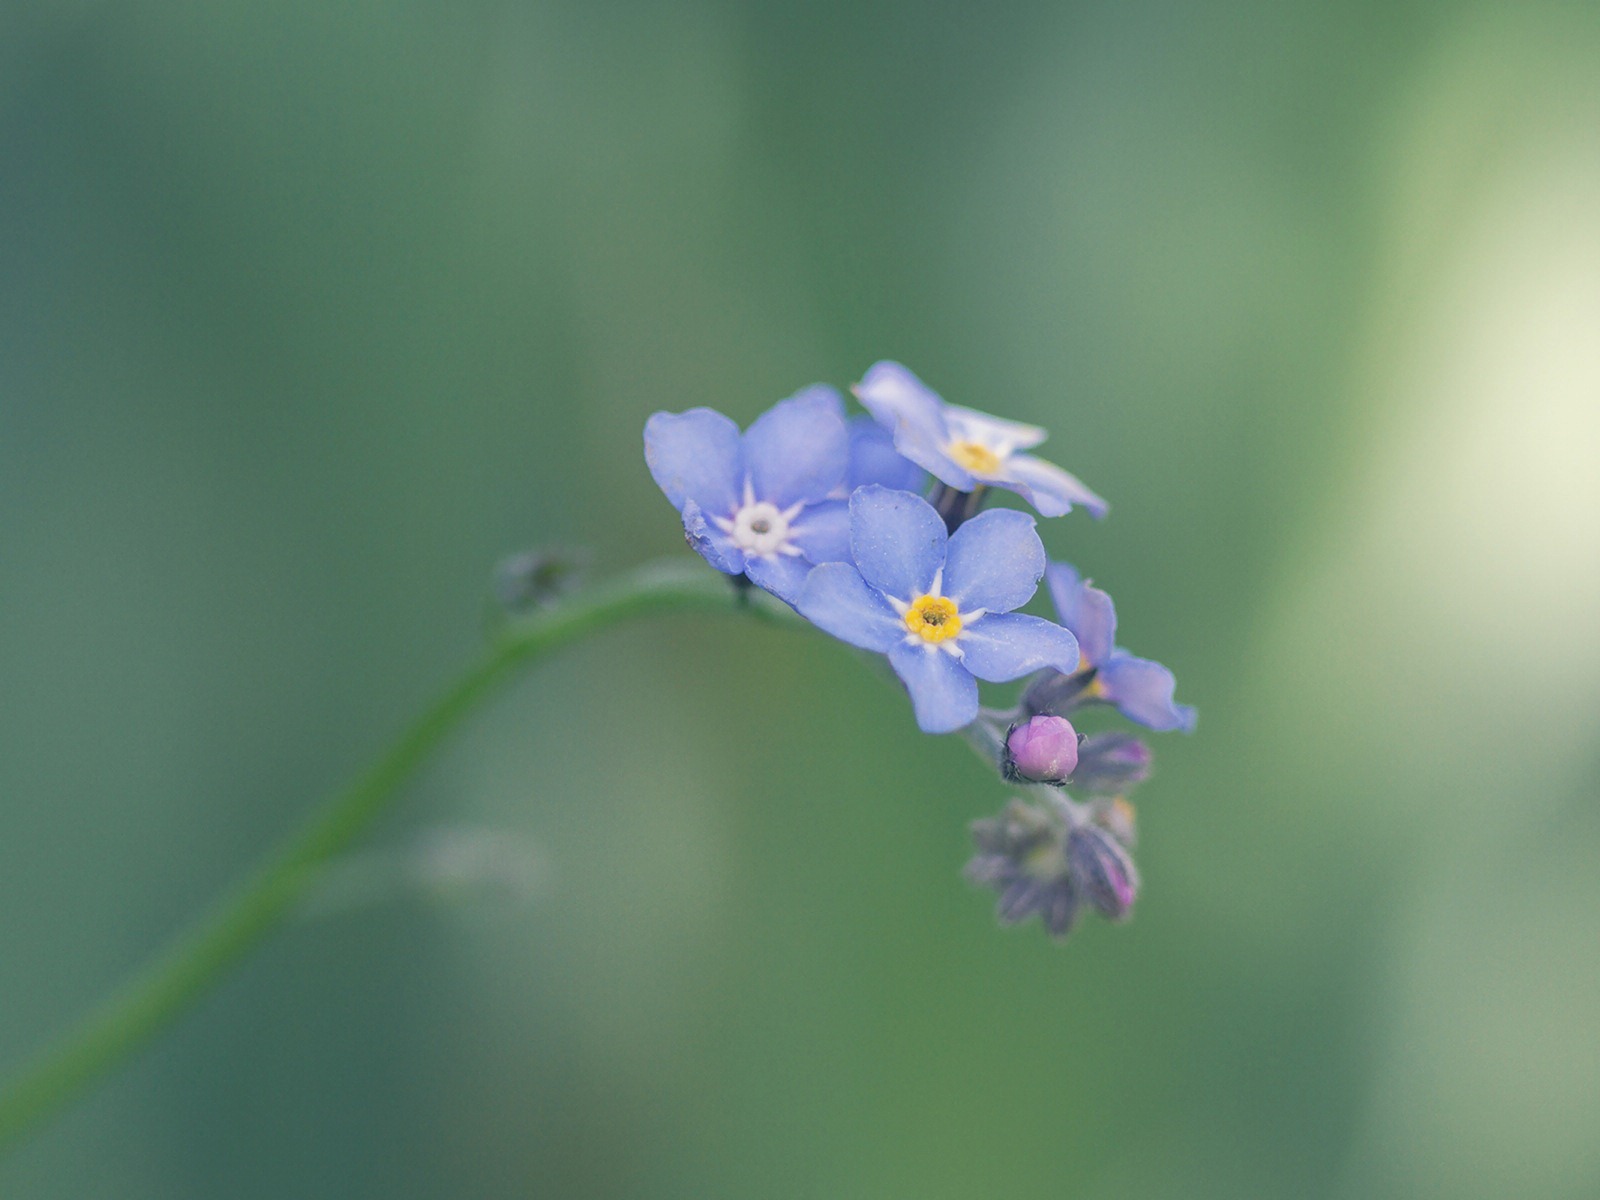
pixel 1044 750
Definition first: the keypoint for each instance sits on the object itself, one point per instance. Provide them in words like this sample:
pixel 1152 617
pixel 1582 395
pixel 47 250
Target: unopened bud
pixel 1102 870
pixel 1111 763
pixel 1043 749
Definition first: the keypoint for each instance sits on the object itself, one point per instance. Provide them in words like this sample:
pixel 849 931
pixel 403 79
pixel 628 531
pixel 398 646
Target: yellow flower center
pixel 933 618
pixel 980 460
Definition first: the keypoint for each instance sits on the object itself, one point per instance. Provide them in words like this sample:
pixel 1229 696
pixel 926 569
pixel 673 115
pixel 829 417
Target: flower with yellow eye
pixel 966 449
pixel 937 604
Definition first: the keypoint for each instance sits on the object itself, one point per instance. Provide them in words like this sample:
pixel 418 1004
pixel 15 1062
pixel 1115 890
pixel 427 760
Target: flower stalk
pixel 197 960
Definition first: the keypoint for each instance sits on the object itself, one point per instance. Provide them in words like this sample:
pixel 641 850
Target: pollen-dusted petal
pixel 1085 610
pixel 1142 691
pixel 798 449
pixel 838 601
pixel 696 455
pixel 1048 488
pixel 1003 646
pixel 994 561
pixel 897 540
pixel 944 694
pixel 822 531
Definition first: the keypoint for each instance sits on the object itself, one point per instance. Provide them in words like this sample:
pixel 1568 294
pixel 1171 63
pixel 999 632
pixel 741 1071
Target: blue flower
pixel 758 504
pixel 1142 690
pixel 967 449
pixel 939 605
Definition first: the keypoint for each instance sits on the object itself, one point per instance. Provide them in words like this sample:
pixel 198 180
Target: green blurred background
pixel 312 312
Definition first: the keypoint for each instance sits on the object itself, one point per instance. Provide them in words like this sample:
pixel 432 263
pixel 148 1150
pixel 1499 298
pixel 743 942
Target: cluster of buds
pixel 1050 855
pixel 1048 859
pixel 874 529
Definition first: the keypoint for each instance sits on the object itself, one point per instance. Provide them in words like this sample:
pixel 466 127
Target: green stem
pixel 195 961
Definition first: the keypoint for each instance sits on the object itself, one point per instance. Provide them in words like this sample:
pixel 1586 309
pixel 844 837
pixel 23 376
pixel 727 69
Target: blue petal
pixel 781 574
pixel 971 425
pixel 873 459
pixel 899 400
pixel 798 449
pixel 824 393
pixel 695 455
pixel 897 540
pixel 1048 488
pixel 710 543
pixel 822 531
pixel 1142 691
pixel 1085 610
pixel 914 414
pixel 944 694
pixel 1005 646
pixel 838 601
pixel 994 561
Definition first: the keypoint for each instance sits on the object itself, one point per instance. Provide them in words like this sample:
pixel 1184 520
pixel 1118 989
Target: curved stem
pixel 195 961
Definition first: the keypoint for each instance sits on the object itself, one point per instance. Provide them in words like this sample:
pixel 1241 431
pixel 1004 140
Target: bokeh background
pixel 309 313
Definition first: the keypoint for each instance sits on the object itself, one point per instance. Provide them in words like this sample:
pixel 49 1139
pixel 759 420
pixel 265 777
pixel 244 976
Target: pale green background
pixel 309 312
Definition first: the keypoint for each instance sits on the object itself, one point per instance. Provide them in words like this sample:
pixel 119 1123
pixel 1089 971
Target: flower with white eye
pixel 937 604
pixel 762 503
pixel 966 449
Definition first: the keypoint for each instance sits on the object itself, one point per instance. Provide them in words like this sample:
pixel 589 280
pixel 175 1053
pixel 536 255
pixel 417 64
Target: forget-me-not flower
pixel 1142 690
pixel 939 605
pixel 761 503
pixel 967 449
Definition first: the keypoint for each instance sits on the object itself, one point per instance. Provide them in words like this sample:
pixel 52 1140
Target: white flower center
pixel 759 529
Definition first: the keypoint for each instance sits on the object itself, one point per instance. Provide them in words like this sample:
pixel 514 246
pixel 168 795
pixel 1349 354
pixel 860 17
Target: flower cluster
pixel 837 516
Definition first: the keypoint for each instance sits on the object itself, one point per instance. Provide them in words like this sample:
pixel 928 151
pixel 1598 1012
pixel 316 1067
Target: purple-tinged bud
pixel 1042 750
pixel 1102 870
pixel 1111 763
